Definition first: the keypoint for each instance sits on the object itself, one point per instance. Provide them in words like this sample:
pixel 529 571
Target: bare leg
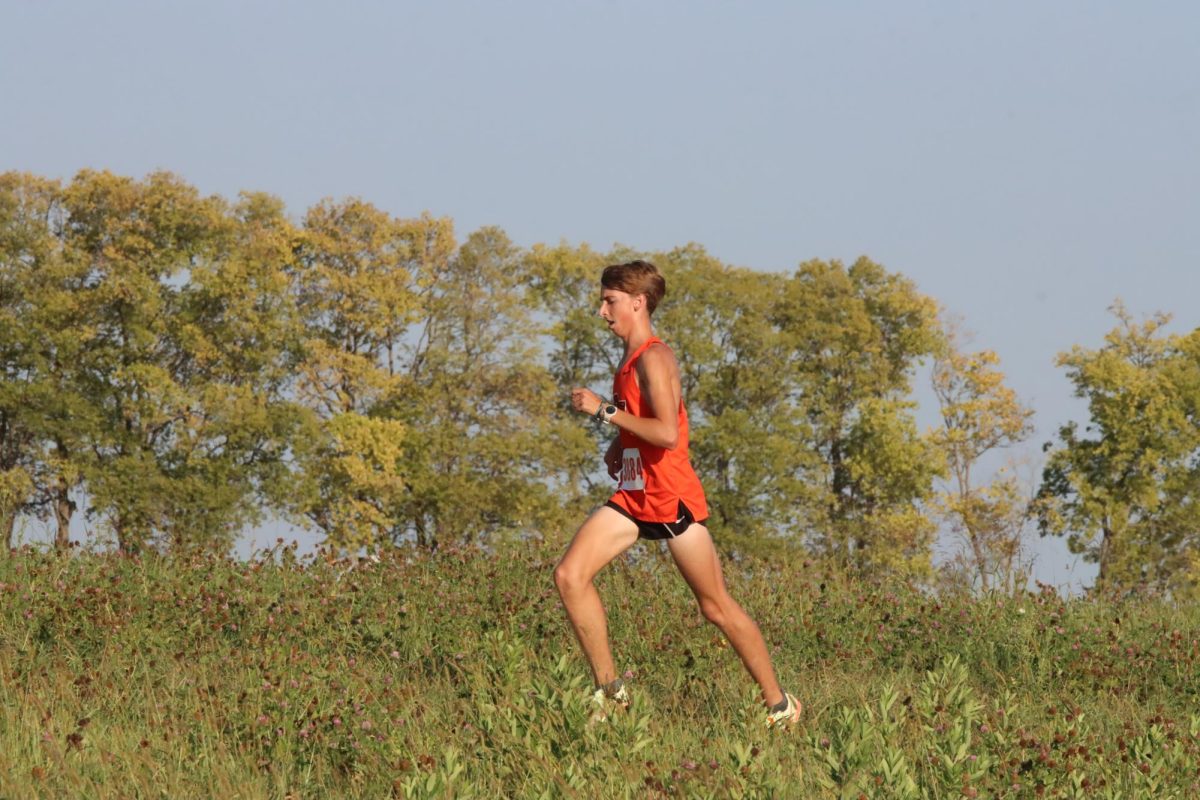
pixel 697 560
pixel 603 536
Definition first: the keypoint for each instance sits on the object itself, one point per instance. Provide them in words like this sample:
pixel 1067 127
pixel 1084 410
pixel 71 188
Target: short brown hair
pixel 636 277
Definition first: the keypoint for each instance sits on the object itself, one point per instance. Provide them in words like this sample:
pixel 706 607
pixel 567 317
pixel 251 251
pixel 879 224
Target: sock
pixel 781 705
pixel 611 688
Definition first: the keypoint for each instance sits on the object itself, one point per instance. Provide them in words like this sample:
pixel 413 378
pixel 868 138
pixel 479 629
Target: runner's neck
pixel 637 339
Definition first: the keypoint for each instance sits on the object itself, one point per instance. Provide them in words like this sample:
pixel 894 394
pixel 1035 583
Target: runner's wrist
pixel 605 412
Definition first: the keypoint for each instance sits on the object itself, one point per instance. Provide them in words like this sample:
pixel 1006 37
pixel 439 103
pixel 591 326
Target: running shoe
pixel 786 716
pixel 605 697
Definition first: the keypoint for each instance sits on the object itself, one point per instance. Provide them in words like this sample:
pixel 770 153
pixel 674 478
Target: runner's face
pixel 618 309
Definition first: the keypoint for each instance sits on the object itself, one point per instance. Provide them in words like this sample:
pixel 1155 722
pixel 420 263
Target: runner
pixel 658 496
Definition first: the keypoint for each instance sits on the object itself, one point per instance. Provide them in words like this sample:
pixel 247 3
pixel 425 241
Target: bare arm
pixel 658 378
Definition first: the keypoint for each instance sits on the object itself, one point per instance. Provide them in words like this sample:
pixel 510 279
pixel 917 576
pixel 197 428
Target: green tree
pixel 25 203
pixel 238 338
pixel 44 416
pixel 359 285
pixel 180 304
pixel 487 442
pixel 855 337
pixel 981 415
pixel 1126 489
pixel 564 287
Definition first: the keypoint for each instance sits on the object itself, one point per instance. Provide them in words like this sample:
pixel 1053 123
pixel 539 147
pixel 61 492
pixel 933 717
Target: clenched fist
pixel 585 400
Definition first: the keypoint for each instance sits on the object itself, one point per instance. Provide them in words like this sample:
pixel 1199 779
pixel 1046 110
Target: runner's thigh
pixel 696 557
pixel 603 536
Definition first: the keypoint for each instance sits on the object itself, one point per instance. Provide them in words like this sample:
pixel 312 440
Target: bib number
pixel 631 471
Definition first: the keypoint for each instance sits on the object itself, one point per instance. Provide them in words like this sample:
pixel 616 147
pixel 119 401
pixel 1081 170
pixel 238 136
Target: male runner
pixel 658 495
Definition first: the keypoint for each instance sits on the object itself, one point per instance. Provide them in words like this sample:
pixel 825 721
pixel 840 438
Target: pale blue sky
pixel 1024 162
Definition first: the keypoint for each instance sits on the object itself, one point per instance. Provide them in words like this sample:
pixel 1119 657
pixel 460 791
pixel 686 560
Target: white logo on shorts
pixel 631 471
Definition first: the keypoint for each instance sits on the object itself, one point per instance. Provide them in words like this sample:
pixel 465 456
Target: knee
pixel 714 611
pixel 568 580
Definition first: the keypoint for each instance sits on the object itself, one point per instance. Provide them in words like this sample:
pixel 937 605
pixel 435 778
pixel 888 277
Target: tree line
pixel 185 366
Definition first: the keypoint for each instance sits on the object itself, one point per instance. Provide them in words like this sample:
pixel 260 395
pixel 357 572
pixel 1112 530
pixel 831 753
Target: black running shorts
pixel 659 530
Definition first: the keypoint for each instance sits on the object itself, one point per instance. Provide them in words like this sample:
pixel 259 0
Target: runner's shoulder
pixel 657 356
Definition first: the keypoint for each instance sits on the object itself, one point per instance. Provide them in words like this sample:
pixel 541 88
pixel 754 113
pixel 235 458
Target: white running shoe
pixel 605 697
pixel 786 716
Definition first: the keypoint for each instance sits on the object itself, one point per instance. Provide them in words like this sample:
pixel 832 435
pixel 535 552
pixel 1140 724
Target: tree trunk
pixel 1105 553
pixel 8 524
pixel 126 543
pixel 980 555
pixel 63 509
pixel 439 533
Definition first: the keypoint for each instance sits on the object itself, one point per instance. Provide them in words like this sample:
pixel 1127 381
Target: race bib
pixel 631 471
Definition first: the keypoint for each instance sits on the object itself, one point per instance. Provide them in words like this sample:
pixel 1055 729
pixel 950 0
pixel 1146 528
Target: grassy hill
pixel 455 675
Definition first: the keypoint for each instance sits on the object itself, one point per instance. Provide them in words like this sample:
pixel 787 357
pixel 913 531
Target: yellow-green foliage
pixel 185 365
pixel 980 414
pixel 147 354
pixel 454 674
pixel 1126 489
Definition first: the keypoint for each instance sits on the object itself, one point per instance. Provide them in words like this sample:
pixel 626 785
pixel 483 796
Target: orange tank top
pixel 653 479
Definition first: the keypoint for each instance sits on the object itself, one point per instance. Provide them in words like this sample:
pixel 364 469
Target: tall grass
pixel 455 675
